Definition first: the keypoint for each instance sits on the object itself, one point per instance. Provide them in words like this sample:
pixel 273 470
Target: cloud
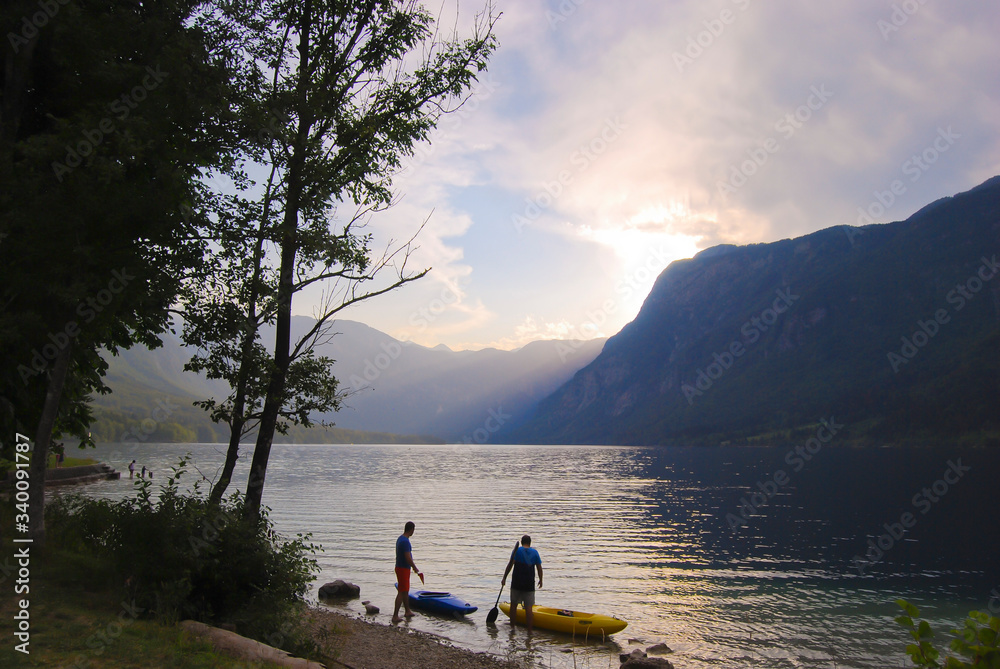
pixel 608 129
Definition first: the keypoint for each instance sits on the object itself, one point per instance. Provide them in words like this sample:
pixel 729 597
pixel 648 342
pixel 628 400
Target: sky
pixel 608 139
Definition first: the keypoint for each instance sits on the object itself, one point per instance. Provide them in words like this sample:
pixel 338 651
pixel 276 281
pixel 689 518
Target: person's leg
pixel 514 596
pixel 406 603
pixel 529 604
pixel 399 602
pixel 402 593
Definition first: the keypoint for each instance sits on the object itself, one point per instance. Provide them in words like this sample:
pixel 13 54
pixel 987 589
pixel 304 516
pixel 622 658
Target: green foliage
pixel 976 641
pixel 332 96
pixel 109 113
pixel 181 557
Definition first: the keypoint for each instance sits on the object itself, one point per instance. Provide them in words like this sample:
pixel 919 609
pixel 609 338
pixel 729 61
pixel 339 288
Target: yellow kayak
pixel 571 622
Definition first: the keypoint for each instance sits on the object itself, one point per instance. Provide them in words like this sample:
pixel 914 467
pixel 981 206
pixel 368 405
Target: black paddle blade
pixel 491 617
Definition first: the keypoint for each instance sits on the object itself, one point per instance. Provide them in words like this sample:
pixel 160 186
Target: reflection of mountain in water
pixel 826 512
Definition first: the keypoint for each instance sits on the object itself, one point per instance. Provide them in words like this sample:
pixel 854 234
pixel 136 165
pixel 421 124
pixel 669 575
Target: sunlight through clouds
pixel 590 158
pixel 650 228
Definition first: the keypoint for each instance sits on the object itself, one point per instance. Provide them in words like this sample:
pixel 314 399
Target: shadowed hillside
pixel 892 330
pixel 394 387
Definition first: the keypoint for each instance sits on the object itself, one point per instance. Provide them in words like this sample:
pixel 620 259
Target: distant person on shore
pixel 525 560
pixel 404 562
pixel 142 474
pixel 131 469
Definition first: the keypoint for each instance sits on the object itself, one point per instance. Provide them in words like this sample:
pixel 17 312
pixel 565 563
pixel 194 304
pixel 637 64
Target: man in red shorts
pixel 404 562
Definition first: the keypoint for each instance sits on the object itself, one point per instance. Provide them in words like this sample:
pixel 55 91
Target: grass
pixel 79 619
pixel 70 462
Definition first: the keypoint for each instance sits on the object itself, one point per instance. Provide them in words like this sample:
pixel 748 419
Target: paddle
pixel 491 617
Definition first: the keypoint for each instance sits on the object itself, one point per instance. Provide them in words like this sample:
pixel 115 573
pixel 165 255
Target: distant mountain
pixel 455 395
pixel 890 330
pixel 397 388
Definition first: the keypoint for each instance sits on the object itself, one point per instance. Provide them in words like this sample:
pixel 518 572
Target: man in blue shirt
pixel 522 585
pixel 404 562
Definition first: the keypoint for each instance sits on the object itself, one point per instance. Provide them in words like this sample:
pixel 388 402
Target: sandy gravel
pixel 359 644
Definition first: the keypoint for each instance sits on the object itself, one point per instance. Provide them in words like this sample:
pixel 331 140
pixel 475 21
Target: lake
pixel 733 557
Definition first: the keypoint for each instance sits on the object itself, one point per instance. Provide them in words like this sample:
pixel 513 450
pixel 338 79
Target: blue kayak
pixel 440 602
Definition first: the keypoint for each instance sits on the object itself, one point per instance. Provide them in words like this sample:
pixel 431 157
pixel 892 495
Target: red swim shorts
pixel 403 579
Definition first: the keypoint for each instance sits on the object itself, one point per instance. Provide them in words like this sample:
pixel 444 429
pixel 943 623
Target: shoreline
pixel 367 644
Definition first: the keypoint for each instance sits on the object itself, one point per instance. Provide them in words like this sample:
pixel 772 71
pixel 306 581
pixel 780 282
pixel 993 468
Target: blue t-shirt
pixel 402 548
pixel 524 574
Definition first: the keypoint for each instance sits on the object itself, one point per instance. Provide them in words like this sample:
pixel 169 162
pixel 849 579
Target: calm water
pixel 643 534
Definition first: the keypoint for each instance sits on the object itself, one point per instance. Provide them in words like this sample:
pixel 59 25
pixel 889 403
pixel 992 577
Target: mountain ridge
pixel 394 388
pixel 695 364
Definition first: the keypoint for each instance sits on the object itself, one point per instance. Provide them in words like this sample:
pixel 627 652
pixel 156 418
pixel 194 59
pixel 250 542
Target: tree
pixel 225 309
pixel 109 112
pixel 352 95
pixel 977 641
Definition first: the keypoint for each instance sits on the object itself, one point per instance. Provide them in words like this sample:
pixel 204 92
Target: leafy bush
pixel 181 557
pixel 976 641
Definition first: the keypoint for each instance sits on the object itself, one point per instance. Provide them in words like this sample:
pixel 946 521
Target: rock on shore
pixel 339 589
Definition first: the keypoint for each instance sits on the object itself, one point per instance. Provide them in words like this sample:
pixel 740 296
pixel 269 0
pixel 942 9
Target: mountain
pixel 456 395
pixel 396 388
pixel 891 331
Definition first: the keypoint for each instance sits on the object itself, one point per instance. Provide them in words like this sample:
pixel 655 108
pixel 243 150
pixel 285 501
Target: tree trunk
pixel 276 386
pixel 43 436
pixel 232 455
pixel 238 419
pixel 282 331
pixel 246 355
pixel 286 278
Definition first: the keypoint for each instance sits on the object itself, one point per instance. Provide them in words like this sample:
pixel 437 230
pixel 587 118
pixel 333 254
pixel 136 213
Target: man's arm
pixel 503 581
pixel 538 568
pixel 409 558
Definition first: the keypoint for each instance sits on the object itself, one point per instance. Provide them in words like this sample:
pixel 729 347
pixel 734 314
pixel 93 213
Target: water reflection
pixel 643 534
